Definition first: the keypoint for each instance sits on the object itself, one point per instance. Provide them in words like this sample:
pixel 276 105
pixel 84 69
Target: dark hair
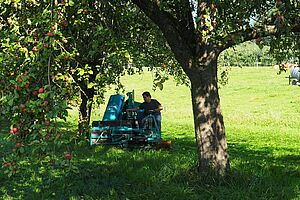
pixel 147 94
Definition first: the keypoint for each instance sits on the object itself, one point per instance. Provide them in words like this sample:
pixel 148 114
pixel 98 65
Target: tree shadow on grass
pixel 107 173
pixel 255 174
pixel 270 176
pixel 114 173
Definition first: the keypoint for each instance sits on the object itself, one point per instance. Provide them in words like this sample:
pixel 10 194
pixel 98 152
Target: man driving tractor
pixel 127 123
pixel 150 106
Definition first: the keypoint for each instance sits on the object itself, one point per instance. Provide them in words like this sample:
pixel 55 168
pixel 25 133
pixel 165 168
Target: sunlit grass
pixel 262 123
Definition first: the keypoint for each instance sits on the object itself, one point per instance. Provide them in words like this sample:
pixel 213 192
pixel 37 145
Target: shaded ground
pixel 113 173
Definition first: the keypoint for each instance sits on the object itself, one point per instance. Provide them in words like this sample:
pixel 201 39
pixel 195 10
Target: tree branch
pixel 179 34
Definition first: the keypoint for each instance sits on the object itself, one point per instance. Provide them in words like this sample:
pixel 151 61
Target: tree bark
pixel 85 110
pixel 208 120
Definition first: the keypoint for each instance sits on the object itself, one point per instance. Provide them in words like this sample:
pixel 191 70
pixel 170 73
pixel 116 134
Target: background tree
pixel 247 54
pixel 110 39
pixel 197 32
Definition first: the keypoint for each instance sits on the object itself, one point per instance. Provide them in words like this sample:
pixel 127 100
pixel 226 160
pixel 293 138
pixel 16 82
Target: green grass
pixel 261 113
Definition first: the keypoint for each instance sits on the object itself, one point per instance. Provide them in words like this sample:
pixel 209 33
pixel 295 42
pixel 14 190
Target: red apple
pixel 6 164
pixel 18 88
pixel 22 106
pixel 15 130
pixel 279 2
pixel 35 92
pixel 47 122
pixel 50 34
pixel 20 79
pixel 41 90
pixel 280 18
pixel 64 22
pixel 35 49
pixel 45 45
pixel 18 144
pixel 68 155
pixel 85 12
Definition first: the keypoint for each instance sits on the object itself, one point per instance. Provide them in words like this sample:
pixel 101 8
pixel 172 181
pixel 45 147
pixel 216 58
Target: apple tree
pixel 197 31
pixel 55 52
pixel 30 102
pixel 51 51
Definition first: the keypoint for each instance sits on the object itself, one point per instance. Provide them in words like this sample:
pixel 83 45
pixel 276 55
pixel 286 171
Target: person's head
pixel 146 96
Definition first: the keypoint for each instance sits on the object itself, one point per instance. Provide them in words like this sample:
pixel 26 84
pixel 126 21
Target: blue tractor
pixel 122 128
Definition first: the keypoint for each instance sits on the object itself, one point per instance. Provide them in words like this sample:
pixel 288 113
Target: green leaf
pixel 71 3
pixel 11 102
pixel 91 84
pixel 81 72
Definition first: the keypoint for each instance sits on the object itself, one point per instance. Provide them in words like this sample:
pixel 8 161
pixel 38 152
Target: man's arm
pixel 132 109
pixel 159 108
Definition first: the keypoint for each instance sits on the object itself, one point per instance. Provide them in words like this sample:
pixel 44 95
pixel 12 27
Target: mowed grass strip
pixel 262 123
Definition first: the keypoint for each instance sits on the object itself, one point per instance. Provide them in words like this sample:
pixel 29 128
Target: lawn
pixel 262 123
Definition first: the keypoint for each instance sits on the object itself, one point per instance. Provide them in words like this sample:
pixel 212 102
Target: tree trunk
pixel 85 110
pixel 198 58
pixel 208 120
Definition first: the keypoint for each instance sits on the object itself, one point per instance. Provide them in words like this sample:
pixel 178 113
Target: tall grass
pixel 262 123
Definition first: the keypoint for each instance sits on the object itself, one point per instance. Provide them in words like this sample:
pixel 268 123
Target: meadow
pixel 262 121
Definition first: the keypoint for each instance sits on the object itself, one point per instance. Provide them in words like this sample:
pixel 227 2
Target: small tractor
pixel 294 77
pixel 124 128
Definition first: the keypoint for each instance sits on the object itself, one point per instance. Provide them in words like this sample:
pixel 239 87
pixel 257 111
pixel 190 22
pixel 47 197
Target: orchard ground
pixel 261 114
